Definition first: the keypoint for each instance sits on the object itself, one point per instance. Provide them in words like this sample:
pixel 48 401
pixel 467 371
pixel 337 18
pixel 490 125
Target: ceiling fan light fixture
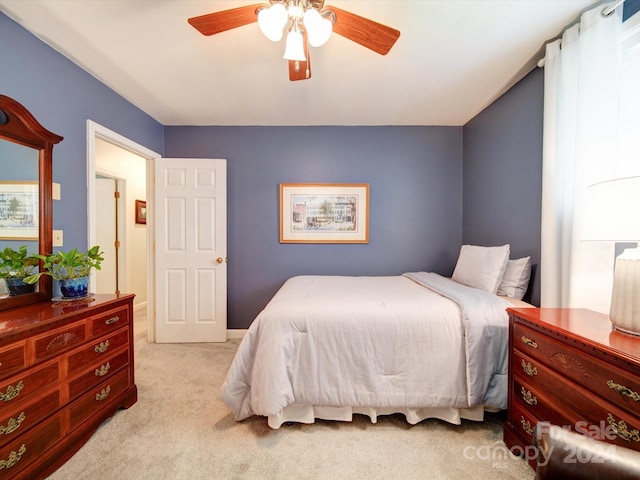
pixel 272 21
pixel 318 28
pixel 294 49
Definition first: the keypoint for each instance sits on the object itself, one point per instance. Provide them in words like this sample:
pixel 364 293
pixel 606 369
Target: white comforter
pixel 416 340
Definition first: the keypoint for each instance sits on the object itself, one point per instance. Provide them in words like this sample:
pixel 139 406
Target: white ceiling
pixel 453 58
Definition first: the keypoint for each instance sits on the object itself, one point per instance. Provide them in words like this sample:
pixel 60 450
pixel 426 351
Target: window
pixel 628 162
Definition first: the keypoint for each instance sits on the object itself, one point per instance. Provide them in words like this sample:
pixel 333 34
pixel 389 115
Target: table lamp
pixel 612 213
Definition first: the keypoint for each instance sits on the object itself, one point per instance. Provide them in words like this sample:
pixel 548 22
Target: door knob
pixel 219 260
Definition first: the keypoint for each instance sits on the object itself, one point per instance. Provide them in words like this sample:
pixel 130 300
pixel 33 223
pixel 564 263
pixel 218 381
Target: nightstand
pixel 570 368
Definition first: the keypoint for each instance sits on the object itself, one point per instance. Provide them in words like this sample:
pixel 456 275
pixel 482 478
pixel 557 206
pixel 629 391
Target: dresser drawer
pixel 19 388
pixel 60 340
pixel 524 422
pixel 16 455
pixel 574 398
pixel 22 417
pixel 534 400
pixel 110 321
pixel 100 348
pixel 97 373
pixel 98 397
pixel 589 413
pixel 612 383
pixel 12 359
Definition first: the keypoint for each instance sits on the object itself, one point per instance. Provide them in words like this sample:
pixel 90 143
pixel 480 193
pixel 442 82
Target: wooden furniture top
pixel 21 321
pixel 591 328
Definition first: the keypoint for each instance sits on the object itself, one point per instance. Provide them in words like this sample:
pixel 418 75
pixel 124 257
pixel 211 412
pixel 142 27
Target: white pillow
pixel 481 267
pixel 516 278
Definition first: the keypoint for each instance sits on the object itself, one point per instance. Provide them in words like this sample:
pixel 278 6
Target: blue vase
pixel 16 286
pixel 74 287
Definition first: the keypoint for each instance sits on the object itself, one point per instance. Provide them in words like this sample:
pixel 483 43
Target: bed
pixel 420 344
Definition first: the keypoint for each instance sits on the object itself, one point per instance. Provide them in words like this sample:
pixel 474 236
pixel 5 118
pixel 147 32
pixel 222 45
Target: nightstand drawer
pixel 534 400
pixel 110 321
pixel 616 385
pixel 535 373
pixel 96 350
pixel 523 421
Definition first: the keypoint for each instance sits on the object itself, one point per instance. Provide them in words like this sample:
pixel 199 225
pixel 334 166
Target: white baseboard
pixel 140 306
pixel 236 332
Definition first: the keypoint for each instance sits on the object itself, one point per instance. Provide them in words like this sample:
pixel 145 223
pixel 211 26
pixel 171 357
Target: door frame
pixel 95 130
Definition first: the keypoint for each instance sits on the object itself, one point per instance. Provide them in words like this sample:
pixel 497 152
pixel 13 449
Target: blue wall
pixel 62 97
pixel 415 174
pixel 503 173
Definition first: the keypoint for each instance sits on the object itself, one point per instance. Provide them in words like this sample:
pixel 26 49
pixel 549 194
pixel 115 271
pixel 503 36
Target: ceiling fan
pixel 308 22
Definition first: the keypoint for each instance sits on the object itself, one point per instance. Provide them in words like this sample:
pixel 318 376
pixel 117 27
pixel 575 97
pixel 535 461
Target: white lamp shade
pixel 612 211
pixel 272 21
pixel 294 49
pixel 318 29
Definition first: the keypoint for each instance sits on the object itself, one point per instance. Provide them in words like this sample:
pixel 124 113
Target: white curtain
pixel 581 113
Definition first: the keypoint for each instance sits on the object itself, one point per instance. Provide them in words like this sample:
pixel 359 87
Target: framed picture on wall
pixel 19 210
pixel 141 211
pixel 324 213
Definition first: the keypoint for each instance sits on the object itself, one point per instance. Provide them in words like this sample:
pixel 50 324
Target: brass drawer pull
pixel 112 320
pixel 529 369
pixel 622 390
pixel 12 392
pixel 103 394
pixel 526 425
pixel 12 424
pixel 527 397
pixel 528 342
pixel 102 347
pixel 14 457
pixel 621 430
pixel 102 371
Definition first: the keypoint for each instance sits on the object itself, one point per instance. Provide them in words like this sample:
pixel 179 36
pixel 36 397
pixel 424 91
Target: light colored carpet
pixel 181 430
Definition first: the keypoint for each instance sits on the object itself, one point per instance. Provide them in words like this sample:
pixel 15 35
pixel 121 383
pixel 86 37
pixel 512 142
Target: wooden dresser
pixel 570 368
pixel 65 367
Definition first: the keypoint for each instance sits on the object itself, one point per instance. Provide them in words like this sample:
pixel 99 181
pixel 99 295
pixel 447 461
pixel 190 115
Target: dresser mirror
pixel 26 210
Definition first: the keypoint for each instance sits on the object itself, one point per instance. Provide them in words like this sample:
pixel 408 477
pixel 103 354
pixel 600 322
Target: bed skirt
pixel 308 413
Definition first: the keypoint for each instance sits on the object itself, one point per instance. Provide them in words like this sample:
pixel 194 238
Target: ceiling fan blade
pixel 301 69
pixel 217 22
pixel 369 34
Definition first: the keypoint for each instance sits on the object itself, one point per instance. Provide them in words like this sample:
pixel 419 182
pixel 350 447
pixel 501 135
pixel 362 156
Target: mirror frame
pixel 18 125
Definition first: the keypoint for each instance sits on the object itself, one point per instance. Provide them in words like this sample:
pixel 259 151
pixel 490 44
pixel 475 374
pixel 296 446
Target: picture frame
pixel 324 212
pixel 141 212
pixel 19 210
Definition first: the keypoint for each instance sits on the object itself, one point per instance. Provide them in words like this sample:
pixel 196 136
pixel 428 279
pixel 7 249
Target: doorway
pixel 111 155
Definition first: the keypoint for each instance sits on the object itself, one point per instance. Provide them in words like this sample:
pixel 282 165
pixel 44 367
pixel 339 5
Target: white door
pixel 191 250
pixel 106 235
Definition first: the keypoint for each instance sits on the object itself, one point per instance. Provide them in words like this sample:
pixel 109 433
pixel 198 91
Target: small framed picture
pixel 324 213
pixel 141 211
pixel 19 210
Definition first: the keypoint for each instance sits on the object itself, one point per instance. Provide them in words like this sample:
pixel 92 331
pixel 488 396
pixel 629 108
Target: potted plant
pixel 71 269
pixel 15 266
